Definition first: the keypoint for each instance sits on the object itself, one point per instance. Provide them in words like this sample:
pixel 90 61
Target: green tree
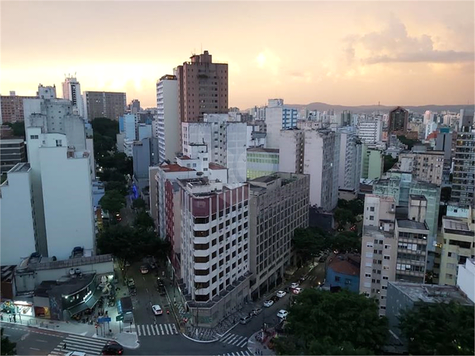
pixel 144 220
pixel 309 242
pixel 324 323
pixel 17 127
pixel 8 347
pixel 343 217
pixel 105 127
pixel 439 329
pixel 407 141
pixel 112 201
pixel 108 175
pixel 389 162
pixel 139 203
pixel 345 241
pixel 116 185
pixel 356 206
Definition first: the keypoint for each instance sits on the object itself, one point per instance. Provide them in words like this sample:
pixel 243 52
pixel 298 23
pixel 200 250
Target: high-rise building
pixel 134 106
pixel 463 182
pixel 262 162
pixel 398 121
pixel 350 150
pixel 445 142
pixel 278 205
pixel 278 117
pixel 145 154
pixel 372 162
pixel 313 152
pixel 226 142
pixel 16 213
pixel 104 104
pixel 425 166
pixel 72 92
pixel 12 151
pixel 12 107
pixel 168 123
pixel 202 88
pixel 370 129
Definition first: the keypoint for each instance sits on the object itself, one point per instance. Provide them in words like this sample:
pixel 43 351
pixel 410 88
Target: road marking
pixel 39 340
pixel 138 331
pixel 156 327
pixel 161 329
pixel 34 348
pixel 153 330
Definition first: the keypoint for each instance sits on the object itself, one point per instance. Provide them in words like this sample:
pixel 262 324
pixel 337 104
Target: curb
pixel 65 332
pixel 200 341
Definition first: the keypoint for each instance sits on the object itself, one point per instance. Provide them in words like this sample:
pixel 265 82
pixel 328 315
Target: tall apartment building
pixel 12 151
pixel 168 122
pixel 72 92
pixel 349 168
pixel 398 121
pixel 458 245
pixel 145 155
pixel 16 213
pixel 226 141
pixel 313 152
pixel 262 162
pixel 11 107
pixel 425 166
pixel 278 205
pixel 392 248
pixel 278 117
pixel 60 175
pixel 111 105
pixel 463 182
pixel 372 162
pixel 445 142
pixel 370 129
pixel 214 247
pixel 202 88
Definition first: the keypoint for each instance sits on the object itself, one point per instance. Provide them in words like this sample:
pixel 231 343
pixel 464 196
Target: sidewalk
pixel 257 347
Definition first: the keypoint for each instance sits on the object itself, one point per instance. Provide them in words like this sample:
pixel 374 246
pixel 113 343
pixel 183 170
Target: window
pixel 371 208
pixel 59 143
pixel 34 137
pixel 386 257
pixel 371 217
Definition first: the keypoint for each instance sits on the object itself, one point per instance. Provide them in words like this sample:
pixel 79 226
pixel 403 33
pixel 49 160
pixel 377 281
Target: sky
pixel 347 53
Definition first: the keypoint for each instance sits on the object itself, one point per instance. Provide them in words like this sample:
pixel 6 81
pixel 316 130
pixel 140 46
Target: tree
pixel 309 242
pixel 121 187
pixel 139 203
pixel 345 241
pixel 112 201
pixel 356 206
pixel 324 323
pixel 445 194
pixel 8 347
pixel 108 175
pixel 17 127
pixel 439 329
pixel 389 162
pixel 407 141
pixel 144 220
pixel 343 217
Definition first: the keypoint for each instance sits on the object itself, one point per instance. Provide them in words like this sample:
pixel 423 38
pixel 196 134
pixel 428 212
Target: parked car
pixel 130 283
pixel 245 320
pixel 297 290
pixel 161 290
pixel 294 285
pixel 112 348
pixel 268 303
pixel 274 298
pixel 257 311
pixel 280 294
pixel 282 314
pixel 157 310
pixel 143 269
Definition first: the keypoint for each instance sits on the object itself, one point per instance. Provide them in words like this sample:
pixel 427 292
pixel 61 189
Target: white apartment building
pixel 350 161
pixel 370 129
pixel 130 127
pixel 72 92
pixel 168 122
pixel 17 229
pixel 313 152
pixel 278 117
pixel 466 278
pixel 425 166
pixel 214 247
pixel 62 194
pixel 226 141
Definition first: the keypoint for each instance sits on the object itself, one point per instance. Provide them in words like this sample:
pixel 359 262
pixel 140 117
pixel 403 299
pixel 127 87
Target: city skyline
pixel 388 52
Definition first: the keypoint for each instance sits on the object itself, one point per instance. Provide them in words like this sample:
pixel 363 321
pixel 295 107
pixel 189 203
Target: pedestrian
pixel 64 346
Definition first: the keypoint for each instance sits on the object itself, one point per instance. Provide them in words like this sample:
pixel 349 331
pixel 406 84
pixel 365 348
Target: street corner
pixel 128 340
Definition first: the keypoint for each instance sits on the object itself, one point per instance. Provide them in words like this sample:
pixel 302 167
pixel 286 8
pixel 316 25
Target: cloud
pixel 395 45
pixel 268 60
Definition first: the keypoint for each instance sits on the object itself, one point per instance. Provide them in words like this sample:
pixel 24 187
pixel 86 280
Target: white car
pixel 282 314
pixel 280 293
pixel 294 285
pixel 297 290
pixel 268 303
pixel 157 310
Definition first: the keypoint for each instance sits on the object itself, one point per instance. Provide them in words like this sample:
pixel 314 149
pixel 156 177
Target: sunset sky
pixel 348 53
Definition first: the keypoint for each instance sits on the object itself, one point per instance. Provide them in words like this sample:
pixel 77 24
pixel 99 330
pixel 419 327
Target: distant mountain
pixel 382 108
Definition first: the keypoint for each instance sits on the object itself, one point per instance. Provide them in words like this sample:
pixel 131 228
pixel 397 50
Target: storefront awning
pixel 86 305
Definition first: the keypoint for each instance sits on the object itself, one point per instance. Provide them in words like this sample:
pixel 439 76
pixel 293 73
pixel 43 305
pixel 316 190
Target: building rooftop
pixel 261 149
pixel 40 264
pixel 411 224
pixel 64 286
pixel 174 168
pixel 417 197
pixel 185 157
pixel 346 264
pixel 20 167
pixel 455 225
pixel 215 166
pixel 11 140
pixel 431 293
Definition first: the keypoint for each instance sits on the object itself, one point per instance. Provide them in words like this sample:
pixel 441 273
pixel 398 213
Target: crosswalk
pixel 236 340
pixel 88 345
pixel 238 353
pixel 156 329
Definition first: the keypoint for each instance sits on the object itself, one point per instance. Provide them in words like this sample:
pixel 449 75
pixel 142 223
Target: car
pixel 160 282
pixel 157 310
pixel 257 311
pixel 153 265
pixel 282 314
pixel 297 290
pixel 143 269
pixel 294 285
pixel 268 303
pixel 130 283
pixel 161 290
pixel 302 279
pixel 280 294
pixel 245 320
pixel 112 348
pixel 274 298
